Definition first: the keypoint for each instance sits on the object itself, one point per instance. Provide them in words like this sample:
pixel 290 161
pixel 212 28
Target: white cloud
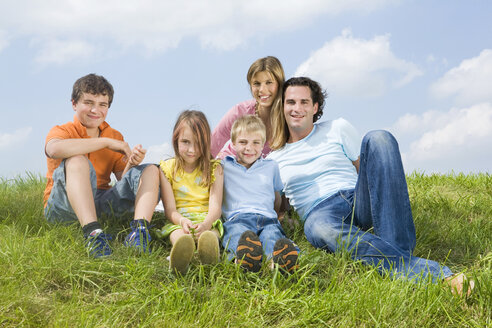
pixel 469 83
pixel 4 40
pixel 156 26
pixel 61 52
pixel 348 66
pixel 158 152
pixel 459 140
pixel 19 136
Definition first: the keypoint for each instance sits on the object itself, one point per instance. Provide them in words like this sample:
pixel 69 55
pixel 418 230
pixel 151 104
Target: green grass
pixel 46 278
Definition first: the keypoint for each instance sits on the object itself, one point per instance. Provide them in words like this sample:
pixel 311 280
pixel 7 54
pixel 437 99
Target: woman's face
pixel 264 88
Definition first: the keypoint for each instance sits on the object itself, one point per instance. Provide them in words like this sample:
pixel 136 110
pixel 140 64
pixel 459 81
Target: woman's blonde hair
pixel 248 124
pixel 273 66
pixel 197 122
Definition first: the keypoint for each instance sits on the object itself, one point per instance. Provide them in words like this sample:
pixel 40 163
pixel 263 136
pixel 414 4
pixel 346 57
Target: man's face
pixel 248 148
pixel 91 110
pixel 299 110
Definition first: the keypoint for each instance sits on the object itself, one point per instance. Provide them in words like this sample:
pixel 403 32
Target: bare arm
pixel 356 164
pixel 214 203
pixel 283 207
pixel 137 156
pixel 277 203
pixel 65 148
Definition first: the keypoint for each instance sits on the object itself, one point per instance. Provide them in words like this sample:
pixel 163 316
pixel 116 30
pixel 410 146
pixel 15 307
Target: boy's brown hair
pixel 93 84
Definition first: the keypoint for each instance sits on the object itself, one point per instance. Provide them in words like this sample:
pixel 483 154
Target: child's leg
pixel 147 193
pixel 271 232
pixel 134 193
pixel 233 229
pixel 278 248
pixel 79 189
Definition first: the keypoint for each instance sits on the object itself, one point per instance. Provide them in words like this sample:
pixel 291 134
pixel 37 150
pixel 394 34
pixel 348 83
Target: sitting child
pixel 81 157
pixel 252 200
pixel 191 188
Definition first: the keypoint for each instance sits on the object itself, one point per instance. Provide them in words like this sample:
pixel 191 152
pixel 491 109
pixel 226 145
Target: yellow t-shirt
pixel 190 197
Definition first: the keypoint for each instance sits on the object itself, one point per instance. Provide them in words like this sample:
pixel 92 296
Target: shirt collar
pixel 82 130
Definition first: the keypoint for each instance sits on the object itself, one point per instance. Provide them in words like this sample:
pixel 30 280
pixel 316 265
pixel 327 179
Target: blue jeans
pixel 380 201
pixel 268 230
pixel 118 200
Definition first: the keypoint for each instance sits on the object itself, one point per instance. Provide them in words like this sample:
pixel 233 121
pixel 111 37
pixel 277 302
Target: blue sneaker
pixel 97 244
pixel 139 238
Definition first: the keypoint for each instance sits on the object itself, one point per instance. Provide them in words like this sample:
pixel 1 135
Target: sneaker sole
pixel 249 251
pixel 181 254
pixel 285 255
pixel 208 248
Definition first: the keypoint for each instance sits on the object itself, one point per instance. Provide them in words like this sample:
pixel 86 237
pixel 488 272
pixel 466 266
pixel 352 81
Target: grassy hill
pixel 46 278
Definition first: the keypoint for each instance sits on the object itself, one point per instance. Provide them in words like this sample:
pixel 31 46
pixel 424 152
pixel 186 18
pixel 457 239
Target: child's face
pixel 91 110
pixel 248 148
pixel 188 147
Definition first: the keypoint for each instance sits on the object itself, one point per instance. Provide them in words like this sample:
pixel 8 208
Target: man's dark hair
pixel 93 84
pixel 318 95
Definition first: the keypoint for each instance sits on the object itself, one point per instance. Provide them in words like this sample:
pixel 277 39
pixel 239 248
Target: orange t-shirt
pixel 105 161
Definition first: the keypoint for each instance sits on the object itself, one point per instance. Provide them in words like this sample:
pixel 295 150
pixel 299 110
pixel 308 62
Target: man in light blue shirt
pixel 341 189
pixel 251 201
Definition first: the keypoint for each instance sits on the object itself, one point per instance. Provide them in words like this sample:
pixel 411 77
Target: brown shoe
pixel 285 255
pixel 249 251
pixel 208 248
pixel 181 254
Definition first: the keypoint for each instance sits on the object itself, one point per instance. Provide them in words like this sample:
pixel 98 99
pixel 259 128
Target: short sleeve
pixel 349 139
pixel 215 163
pixel 57 132
pixel 277 180
pixel 167 167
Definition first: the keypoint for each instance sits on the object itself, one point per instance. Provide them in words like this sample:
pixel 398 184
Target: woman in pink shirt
pixel 265 77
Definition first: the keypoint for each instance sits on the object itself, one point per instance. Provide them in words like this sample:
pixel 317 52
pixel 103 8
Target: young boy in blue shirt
pixel 252 200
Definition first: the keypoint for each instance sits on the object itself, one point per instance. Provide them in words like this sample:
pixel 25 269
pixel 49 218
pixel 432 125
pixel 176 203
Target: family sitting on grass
pixel 340 185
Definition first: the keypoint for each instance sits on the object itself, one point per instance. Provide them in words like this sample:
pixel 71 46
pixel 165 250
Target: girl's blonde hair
pixel 273 66
pixel 248 124
pixel 198 124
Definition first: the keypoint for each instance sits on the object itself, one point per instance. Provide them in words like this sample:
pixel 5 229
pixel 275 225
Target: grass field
pixel 47 280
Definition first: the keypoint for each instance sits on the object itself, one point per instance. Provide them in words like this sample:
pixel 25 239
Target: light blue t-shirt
pixel 316 167
pixel 250 190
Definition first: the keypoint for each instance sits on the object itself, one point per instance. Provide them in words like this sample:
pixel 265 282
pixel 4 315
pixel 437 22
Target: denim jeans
pixel 269 230
pixel 379 201
pixel 118 200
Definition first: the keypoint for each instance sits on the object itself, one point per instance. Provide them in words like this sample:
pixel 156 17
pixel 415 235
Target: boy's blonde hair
pixel 248 124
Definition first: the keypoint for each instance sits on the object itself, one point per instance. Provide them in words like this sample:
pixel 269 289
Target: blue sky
pixel 422 69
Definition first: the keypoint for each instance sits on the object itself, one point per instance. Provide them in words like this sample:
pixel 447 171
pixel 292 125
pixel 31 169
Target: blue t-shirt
pixel 250 190
pixel 319 165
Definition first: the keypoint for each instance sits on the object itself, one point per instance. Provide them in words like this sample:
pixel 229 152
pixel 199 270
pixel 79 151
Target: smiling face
pixel 248 147
pixel 299 111
pixel 188 148
pixel 264 89
pixel 91 110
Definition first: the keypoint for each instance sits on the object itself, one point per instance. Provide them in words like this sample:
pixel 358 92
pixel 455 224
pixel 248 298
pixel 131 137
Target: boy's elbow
pixel 52 150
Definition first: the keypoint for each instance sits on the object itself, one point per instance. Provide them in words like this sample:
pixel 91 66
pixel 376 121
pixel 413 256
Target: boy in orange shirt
pixel 81 157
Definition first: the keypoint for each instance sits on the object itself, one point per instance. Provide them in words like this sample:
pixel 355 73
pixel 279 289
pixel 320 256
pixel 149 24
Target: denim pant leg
pixel 270 231
pixel 120 199
pixel 330 226
pixel 381 192
pixel 234 228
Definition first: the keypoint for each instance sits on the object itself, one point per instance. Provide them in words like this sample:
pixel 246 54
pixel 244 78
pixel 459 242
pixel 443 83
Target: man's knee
pixel 381 138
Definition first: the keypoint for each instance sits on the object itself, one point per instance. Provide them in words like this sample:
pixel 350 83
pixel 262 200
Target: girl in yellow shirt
pixel 191 189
